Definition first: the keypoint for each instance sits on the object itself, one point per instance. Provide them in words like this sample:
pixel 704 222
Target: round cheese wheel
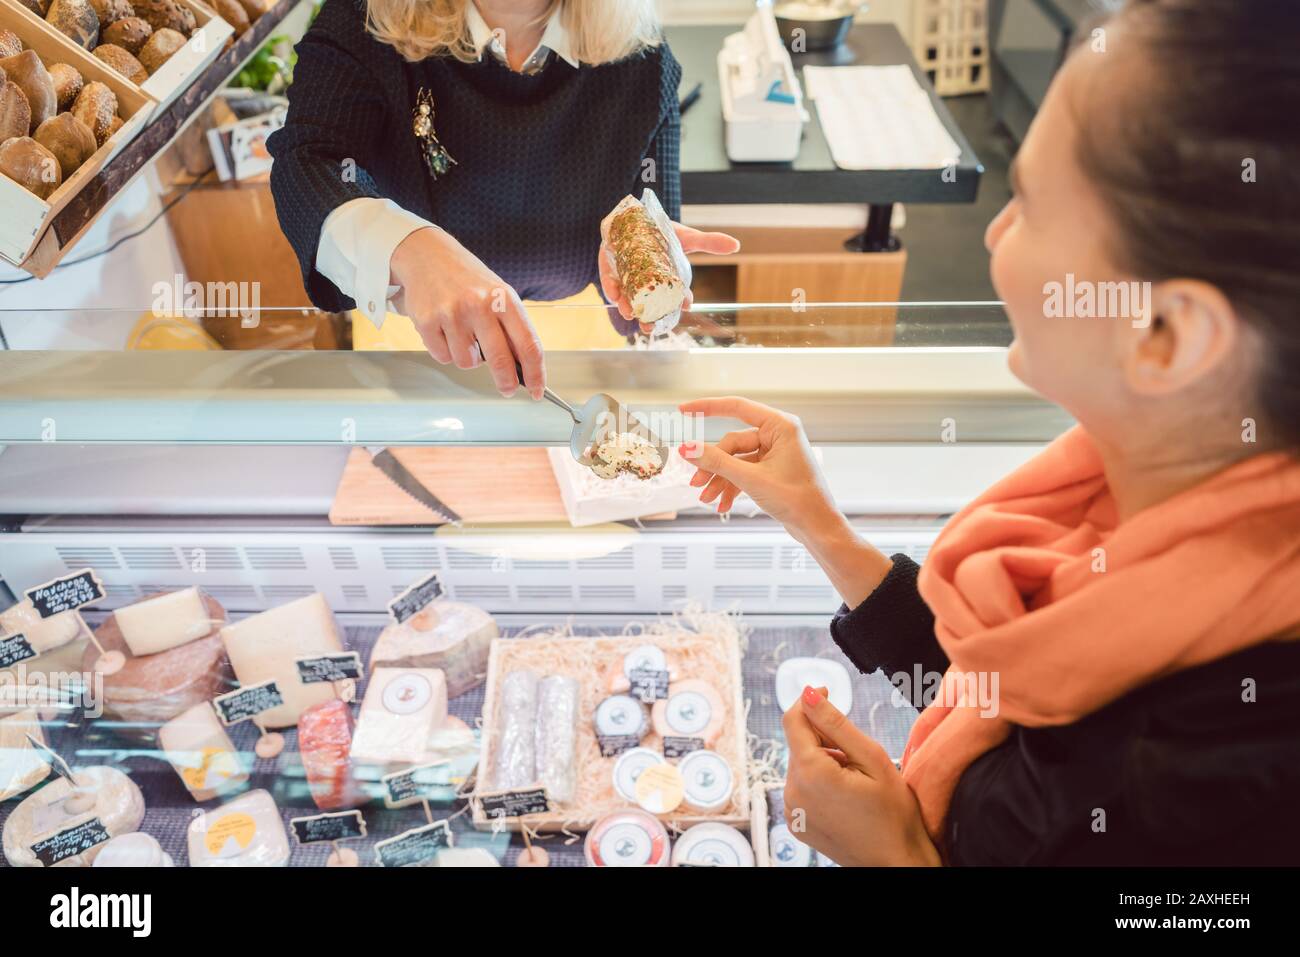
pixel 136 849
pixel 451 636
pixel 707 780
pixel 627 839
pixel 620 715
pixel 102 793
pixel 628 768
pixel 713 845
pixel 693 709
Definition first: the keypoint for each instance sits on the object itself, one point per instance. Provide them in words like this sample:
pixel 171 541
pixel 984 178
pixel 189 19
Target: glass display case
pixel 330 670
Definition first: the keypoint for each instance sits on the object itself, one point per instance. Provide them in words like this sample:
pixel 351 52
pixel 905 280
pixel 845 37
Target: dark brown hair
pixel 1198 159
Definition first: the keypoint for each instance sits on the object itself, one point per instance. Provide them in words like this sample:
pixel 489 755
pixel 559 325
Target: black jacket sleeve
pixel 893 629
pixel 665 176
pixel 336 117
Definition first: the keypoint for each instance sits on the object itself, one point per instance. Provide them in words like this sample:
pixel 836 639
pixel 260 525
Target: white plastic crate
pixel 950 39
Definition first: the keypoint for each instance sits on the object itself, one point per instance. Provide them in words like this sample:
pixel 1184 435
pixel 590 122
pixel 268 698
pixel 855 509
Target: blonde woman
pixel 456 157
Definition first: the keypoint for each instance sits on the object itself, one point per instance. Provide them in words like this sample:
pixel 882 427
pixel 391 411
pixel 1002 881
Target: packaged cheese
pixel 516 754
pixel 196 744
pixel 22 767
pixel 402 710
pixel 164 621
pixel 557 736
pixel 264 647
pixel 325 743
pixel 63 826
pixel 247 832
pixel 448 635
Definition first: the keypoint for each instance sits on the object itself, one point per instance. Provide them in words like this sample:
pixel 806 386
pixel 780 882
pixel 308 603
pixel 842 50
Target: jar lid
pixel 706 778
pixel 628 768
pixel 713 845
pixel 787 850
pixel 645 657
pixel 628 838
pixel 620 714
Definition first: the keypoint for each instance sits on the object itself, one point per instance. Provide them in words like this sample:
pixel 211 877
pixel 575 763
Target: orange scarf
pixel 1037 581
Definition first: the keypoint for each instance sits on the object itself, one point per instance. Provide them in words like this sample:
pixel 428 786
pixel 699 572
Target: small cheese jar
pixel 786 849
pixel 620 715
pixel 659 789
pixel 693 709
pixel 628 768
pixel 628 838
pixel 707 781
pixel 136 849
pixel 713 845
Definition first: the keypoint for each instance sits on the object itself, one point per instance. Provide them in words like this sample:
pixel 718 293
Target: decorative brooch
pixel 436 157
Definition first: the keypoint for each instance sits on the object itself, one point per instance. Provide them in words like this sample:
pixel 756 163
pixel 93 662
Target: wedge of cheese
pixel 21 766
pixel 402 710
pixel 247 832
pixel 265 646
pixel 451 636
pixel 198 748
pixel 164 621
pixel 43 634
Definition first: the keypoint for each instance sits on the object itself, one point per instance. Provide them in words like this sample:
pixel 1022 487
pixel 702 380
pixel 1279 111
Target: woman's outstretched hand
pixel 692 240
pixel 460 307
pixel 843 795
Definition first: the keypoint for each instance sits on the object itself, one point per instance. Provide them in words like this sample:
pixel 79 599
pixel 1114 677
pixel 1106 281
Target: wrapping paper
pixel 557 736
pixel 516 756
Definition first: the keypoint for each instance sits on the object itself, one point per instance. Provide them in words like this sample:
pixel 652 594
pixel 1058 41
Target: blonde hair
pixel 601 31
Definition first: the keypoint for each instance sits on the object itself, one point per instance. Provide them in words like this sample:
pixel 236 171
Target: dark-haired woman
pixel 1135 589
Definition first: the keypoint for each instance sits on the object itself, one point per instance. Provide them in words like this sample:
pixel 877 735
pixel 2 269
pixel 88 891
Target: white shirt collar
pixel 554 38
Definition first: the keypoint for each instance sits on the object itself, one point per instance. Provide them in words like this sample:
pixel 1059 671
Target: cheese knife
pixel 397 473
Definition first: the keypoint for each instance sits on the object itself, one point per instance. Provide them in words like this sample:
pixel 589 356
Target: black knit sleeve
pixel 893 629
pixel 336 117
pixel 665 148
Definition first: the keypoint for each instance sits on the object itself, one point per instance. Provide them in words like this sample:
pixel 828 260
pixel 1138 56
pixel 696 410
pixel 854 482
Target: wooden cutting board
pixel 484 485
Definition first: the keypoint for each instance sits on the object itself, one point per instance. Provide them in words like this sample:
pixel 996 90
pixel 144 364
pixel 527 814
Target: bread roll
pixel 96 106
pixel 234 14
pixel 15 113
pixel 110 11
pixel 161 14
pixel 114 125
pixel 255 8
pixel 10 45
pixel 159 47
pixel 27 70
pixel 75 19
pixel 37 7
pixel 30 165
pixel 67 84
pixel 129 33
pixel 121 61
pixel 68 139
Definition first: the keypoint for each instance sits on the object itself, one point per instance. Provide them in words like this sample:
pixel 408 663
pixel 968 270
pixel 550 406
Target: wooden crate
pixel 25 215
pixel 950 39
pixel 181 68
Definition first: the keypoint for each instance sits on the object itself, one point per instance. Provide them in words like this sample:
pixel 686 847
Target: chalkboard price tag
pixel 612 745
pixel 675 747
pixel 65 594
pixel 414 846
pixel 415 784
pixel 247 702
pixel 416 598
pixel 648 684
pixel 15 648
pixel 340 666
pixel 515 803
pixel 343 826
pixel 70 842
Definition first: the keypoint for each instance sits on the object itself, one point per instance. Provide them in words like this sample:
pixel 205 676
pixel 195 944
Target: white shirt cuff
pixel 356 248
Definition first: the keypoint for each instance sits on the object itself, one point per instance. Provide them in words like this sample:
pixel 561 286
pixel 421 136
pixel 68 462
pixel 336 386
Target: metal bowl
pixel 824 25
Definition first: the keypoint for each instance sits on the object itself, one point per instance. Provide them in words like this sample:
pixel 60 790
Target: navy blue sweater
pixel 1186 771
pixel 542 158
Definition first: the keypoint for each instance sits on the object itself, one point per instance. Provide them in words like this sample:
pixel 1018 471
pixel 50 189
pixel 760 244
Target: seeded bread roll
pixel 189 20
pixel 68 139
pixel 67 84
pixel 110 11
pixel 161 13
pixel 114 124
pixel 234 14
pixel 121 61
pixel 159 48
pixel 37 7
pixel 27 70
pixel 15 113
pixel 129 33
pixel 10 45
pixel 30 165
pixel 96 106
pixel 75 19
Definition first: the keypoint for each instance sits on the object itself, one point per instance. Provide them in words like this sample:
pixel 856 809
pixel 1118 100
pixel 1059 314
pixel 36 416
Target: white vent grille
pixel 672 593
pixel 726 594
pixel 805 595
pixel 356 595
pixel 536 565
pixel 273 558
pixel 234 596
pixel 487 595
pixel 743 557
pixel 217 558
pixel 458 560
pixel 410 557
pixel 75 559
pixel 607 593
pixel 343 559
pixel 529 593
pixel 279 594
pixel 672 558
pixel 620 560
pixel 149 559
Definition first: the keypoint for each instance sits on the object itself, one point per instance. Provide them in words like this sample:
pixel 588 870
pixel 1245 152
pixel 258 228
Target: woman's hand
pixel 692 240
pixel 843 795
pixel 464 311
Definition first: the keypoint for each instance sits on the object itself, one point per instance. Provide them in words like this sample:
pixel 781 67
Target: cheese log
pixel 557 736
pixel 43 634
pixel 448 635
pixel 150 690
pixel 402 710
pixel 516 753
pixel 198 748
pixel 325 743
pixel 22 767
pixel 263 648
pixel 164 621
pixel 247 832
pixel 643 261
pixel 115 801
